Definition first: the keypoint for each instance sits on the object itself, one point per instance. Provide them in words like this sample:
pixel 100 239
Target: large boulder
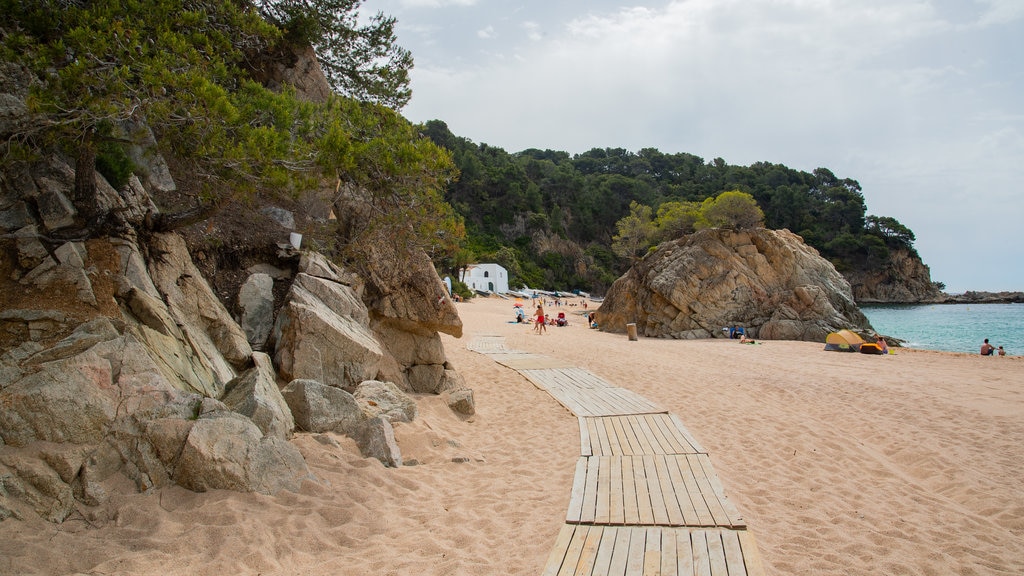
pixel 227 451
pixel 255 394
pixel 256 300
pixel 767 281
pixel 317 407
pixel 385 399
pixel 314 343
pixel 207 325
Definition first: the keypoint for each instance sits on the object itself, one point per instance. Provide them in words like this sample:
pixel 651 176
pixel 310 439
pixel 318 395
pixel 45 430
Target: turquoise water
pixel 952 327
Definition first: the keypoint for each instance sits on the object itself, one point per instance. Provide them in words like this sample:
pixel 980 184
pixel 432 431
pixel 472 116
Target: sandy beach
pixel 841 464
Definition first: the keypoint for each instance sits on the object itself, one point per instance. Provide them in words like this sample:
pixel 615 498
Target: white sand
pixel 841 464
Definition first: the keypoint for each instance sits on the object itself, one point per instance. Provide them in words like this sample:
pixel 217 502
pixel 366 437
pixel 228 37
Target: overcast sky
pixel 921 101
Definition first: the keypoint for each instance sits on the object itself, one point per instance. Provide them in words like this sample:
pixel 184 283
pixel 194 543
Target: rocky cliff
pixel 768 282
pixel 903 279
pixel 194 358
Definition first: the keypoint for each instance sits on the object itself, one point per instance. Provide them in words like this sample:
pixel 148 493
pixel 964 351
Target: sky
pixel 921 101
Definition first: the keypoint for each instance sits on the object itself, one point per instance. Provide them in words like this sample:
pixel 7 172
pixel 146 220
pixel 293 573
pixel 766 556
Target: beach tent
pixel 843 341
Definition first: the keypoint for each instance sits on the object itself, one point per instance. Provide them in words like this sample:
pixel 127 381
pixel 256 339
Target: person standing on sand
pixel 987 349
pixel 539 326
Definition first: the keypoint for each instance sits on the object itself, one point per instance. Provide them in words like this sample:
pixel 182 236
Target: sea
pixel 952 327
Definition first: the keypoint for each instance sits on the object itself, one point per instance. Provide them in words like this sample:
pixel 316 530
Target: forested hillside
pixel 549 217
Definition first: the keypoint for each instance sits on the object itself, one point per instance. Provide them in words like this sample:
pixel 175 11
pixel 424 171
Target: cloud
pixel 912 98
pixel 435 3
pixel 486 33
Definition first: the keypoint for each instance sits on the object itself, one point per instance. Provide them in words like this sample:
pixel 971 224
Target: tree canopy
pixel 574 220
pixel 182 68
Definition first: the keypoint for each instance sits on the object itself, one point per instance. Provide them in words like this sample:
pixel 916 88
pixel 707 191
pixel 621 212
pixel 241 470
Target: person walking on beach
pixel 987 349
pixel 539 325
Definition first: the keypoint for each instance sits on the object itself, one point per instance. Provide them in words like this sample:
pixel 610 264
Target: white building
pixel 489 277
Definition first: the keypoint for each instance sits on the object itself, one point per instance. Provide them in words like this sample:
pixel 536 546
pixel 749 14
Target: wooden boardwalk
pixel 645 498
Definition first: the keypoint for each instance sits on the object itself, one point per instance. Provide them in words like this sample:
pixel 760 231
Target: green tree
pixel 733 209
pixel 677 219
pixel 635 231
pixel 359 60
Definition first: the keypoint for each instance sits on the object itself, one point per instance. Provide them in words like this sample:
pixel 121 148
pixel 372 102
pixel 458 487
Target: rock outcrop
pixel 904 279
pixel 769 282
pixel 120 358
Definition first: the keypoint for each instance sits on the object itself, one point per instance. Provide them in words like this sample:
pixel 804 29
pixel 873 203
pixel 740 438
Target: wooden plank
pixel 643 496
pixel 643 435
pixel 616 505
pixel 686 434
pixel 624 426
pixel 578 491
pixel 620 555
pixel 614 444
pixel 733 553
pixel 604 552
pixel 573 552
pixel 604 489
pixel 599 443
pixel 668 491
pixel 588 557
pixel 751 554
pixel 557 555
pixel 637 549
pixel 654 486
pixel 631 514
pixel 704 517
pixel 669 556
pixel 669 443
pixel 652 553
pixel 735 519
pixel 701 562
pixel 684 553
pixel 585 448
pixel 690 517
pixel 589 507
pixel 712 497
pixel 716 553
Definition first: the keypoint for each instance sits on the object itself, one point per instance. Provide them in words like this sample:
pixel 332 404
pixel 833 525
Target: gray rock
pixel 377 440
pixel 15 217
pixel 210 330
pixel 314 343
pixel 339 298
pixel 227 451
pixel 256 299
pixel 255 394
pixel 769 282
pixel 282 217
pixel 461 401
pixel 85 336
pixel 385 399
pixel 426 378
pixel 316 264
pixel 319 408
pixel 151 164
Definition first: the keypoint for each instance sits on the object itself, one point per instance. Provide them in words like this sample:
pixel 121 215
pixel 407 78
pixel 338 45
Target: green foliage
pixel 584 199
pixel 360 60
pixel 180 68
pixel 114 164
pixel 635 232
pixel 732 209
